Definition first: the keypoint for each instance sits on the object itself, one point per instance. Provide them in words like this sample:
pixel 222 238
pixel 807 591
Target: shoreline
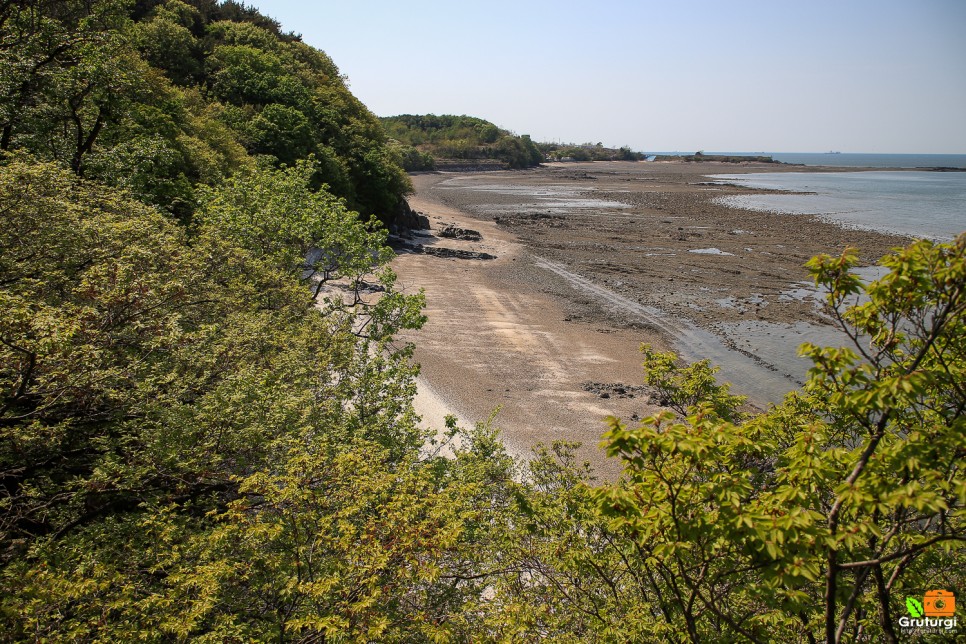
pixel 592 260
pixel 907 203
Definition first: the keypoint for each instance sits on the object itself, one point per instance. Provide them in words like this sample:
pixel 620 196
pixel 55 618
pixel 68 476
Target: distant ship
pixel 833 152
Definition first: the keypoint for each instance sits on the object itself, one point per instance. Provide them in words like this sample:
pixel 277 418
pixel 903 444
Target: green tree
pixel 157 97
pixel 278 217
pixel 813 519
pixel 282 132
pixel 411 159
pixel 67 74
pixel 160 398
pixel 167 42
pixel 462 137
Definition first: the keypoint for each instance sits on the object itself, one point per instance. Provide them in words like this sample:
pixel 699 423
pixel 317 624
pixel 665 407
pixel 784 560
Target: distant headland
pixel 438 142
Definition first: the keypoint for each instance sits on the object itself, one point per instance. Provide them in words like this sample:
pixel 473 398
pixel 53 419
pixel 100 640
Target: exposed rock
pixel 406 218
pixel 531 219
pixel 617 390
pixel 453 253
pixel 465 234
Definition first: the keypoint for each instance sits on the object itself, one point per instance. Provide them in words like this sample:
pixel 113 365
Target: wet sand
pixel 591 261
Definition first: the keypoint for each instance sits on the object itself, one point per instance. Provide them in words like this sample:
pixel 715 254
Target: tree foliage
pixel 458 137
pixel 175 92
pixel 152 387
pixel 588 152
pixel 809 522
pixel 206 420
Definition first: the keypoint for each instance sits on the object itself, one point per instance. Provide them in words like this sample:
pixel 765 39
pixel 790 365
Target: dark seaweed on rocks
pixel 616 390
pixel 453 232
pixel 452 253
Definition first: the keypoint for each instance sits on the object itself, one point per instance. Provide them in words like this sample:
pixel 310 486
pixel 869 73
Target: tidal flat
pixel 591 261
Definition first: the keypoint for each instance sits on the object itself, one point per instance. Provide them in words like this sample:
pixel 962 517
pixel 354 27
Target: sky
pixel 882 76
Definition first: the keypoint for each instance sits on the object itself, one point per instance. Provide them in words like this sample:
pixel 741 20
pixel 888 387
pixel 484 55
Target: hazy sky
pixel 661 75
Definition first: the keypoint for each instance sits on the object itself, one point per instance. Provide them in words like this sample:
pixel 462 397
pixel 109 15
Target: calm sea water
pixel 919 204
pixel 852 160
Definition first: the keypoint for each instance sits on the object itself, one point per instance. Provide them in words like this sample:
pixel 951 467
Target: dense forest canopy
pixel 206 420
pixel 589 152
pixel 159 97
pixel 425 138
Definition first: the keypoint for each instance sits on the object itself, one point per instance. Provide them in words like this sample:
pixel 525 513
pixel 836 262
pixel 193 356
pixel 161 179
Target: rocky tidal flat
pixel 591 260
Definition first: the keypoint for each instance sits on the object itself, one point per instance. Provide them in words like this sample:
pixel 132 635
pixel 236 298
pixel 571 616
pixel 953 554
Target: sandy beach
pixel 589 261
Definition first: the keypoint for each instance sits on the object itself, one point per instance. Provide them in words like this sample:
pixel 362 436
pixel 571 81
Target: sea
pixel 916 203
pixel 855 160
pixel 852 159
pixel 913 202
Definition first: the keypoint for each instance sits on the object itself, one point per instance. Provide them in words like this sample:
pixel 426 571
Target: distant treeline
pixel 699 157
pixel 426 141
pixel 588 152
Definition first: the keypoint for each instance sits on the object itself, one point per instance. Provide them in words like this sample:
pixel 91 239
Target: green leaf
pixel 914 606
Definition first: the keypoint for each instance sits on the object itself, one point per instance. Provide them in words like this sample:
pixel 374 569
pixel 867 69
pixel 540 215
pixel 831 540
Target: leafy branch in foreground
pixel 812 520
pixel 164 402
pixel 191 447
pixel 680 389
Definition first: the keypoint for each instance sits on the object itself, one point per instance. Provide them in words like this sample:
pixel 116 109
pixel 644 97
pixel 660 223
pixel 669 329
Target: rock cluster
pixel 450 252
pixel 616 389
pixel 405 219
pixel 541 219
pixel 452 232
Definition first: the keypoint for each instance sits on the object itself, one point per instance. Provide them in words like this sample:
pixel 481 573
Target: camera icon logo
pixel 939 603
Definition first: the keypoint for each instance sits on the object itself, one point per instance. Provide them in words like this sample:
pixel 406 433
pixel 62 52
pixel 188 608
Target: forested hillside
pixel 425 140
pixel 206 420
pixel 589 152
pixel 163 96
pixel 428 137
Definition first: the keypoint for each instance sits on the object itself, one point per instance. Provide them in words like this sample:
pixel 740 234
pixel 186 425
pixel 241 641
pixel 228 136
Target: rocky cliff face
pixel 405 218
